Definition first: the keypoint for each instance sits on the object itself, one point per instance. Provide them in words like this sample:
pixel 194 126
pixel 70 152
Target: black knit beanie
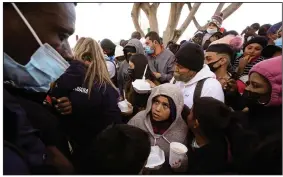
pixel 190 56
pixel 259 40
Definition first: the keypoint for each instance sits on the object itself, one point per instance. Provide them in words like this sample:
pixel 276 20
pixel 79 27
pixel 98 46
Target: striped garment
pixel 248 66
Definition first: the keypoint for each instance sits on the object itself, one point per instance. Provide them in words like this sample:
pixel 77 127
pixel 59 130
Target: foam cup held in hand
pixel 124 106
pixel 177 152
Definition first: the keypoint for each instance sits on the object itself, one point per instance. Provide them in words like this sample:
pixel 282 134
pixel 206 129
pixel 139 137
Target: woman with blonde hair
pixel 91 92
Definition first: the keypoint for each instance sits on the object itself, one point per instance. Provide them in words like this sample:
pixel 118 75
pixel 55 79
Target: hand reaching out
pixel 63 105
pixel 152 85
pixel 157 75
pixel 231 85
pixel 176 164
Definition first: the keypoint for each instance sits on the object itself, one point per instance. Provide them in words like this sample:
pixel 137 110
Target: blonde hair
pixel 89 49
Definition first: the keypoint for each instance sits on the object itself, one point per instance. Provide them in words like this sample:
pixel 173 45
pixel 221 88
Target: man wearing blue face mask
pixel 36 51
pixel 272 34
pixel 212 33
pixel 160 60
pixel 271 51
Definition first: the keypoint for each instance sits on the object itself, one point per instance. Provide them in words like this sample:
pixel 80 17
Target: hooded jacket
pixel 89 115
pixel 123 70
pixel 267 119
pixel 211 86
pixel 137 100
pixel 177 132
pixel 271 70
pixel 137 44
pixel 263 120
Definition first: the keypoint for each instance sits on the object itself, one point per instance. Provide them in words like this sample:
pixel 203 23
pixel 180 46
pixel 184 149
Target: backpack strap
pixel 198 89
pixel 112 63
pixel 114 79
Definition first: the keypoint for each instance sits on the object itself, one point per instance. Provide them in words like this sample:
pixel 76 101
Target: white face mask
pixel 211 31
pixel 45 66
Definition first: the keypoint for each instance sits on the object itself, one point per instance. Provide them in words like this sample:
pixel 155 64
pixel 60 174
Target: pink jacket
pixel 271 69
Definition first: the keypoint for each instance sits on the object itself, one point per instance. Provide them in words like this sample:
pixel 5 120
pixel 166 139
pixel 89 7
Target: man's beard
pixel 184 77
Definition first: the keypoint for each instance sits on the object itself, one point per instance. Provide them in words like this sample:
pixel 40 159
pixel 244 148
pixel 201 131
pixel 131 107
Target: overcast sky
pixel 113 20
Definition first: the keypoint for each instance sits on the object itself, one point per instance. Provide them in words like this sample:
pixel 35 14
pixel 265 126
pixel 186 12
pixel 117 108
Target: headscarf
pixel 140 62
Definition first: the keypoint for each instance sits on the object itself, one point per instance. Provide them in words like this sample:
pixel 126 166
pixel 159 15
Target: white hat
pixel 119 51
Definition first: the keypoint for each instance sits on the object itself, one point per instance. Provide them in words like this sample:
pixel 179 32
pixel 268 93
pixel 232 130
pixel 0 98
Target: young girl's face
pixel 254 50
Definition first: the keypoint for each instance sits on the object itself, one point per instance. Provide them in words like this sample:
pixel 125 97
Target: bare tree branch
pixel 194 19
pixel 189 18
pixel 175 13
pixel 153 23
pixel 174 16
pixel 230 9
pixel 146 8
pixel 171 33
pixel 151 11
pixel 219 8
pixel 226 12
pixel 135 17
pixel 155 5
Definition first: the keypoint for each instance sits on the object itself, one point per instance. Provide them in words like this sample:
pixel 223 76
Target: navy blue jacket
pixel 90 115
pixel 23 150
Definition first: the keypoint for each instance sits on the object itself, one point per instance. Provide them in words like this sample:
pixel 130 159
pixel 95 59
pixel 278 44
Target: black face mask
pixel 251 99
pixel 210 65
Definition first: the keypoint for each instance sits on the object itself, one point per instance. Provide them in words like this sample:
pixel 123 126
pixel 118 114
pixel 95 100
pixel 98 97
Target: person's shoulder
pixel 212 82
pixel 111 68
pixel 73 75
pixel 200 32
pixel 76 66
pixel 139 55
pixel 261 58
pixel 109 89
pixel 213 88
pixel 138 119
pixel 168 52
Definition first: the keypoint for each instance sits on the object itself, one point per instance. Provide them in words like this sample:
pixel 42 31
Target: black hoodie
pixel 89 115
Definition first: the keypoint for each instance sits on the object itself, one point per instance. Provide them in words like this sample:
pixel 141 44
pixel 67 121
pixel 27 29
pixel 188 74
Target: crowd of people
pixel 218 93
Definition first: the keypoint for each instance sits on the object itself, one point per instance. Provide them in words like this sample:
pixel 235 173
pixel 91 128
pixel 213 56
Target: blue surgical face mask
pixel 211 31
pixel 148 50
pixel 239 54
pixel 278 42
pixel 111 58
pixel 46 65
